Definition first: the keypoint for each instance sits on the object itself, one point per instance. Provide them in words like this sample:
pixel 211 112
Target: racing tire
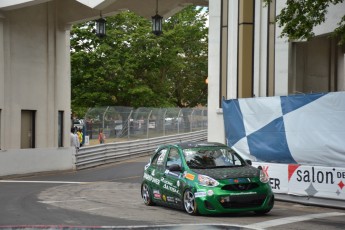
pixel 189 203
pixel 146 195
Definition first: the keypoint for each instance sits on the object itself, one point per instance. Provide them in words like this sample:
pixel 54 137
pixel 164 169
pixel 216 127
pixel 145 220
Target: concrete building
pixel 246 58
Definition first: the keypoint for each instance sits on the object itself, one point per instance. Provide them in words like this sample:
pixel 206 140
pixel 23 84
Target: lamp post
pixel 100 27
pixel 157 22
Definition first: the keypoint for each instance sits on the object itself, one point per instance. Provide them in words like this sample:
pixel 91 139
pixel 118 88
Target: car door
pixel 154 173
pixel 171 180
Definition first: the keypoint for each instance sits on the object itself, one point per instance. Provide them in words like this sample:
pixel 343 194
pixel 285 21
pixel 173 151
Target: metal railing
pixel 92 156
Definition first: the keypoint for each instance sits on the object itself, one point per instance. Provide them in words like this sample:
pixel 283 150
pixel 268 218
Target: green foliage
pixel 133 67
pixel 340 31
pixel 298 18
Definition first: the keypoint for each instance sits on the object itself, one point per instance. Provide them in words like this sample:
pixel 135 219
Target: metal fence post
pixel 178 121
pixel 191 121
pixel 129 124
pixel 164 121
pixel 104 117
pixel 202 118
pixel 148 124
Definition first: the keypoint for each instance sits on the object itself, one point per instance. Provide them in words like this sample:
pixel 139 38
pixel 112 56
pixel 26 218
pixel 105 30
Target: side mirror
pixel 249 162
pixel 175 168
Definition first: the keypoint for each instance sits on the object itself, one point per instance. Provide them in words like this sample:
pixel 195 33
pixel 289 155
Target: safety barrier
pixel 92 156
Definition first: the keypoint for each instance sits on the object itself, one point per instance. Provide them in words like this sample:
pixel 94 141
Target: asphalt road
pixel 109 197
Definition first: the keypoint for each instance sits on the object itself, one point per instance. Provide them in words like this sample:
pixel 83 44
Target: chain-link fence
pixel 126 123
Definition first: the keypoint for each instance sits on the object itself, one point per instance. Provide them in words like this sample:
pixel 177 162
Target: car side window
pixel 173 157
pixel 236 161
pixel 158 159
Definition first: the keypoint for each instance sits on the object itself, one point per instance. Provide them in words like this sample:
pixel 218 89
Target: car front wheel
pixel 145 194
pixel 189 202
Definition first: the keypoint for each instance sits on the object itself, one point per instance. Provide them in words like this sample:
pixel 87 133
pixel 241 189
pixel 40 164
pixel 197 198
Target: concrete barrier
pixel 28 161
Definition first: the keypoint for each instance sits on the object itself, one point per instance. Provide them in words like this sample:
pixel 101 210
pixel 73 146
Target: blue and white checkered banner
pixel 298 129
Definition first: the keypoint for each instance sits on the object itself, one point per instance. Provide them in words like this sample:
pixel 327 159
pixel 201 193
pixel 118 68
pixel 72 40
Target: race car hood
pixel 227 173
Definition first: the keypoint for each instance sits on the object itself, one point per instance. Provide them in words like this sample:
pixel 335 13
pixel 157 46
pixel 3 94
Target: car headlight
pixel 207 181
pixel 264 178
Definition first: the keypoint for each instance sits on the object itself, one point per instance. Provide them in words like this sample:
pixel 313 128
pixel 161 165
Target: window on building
pixel 223 52
pixel 28 129
pixel 60 128
pixel 271 34
pixel 314 65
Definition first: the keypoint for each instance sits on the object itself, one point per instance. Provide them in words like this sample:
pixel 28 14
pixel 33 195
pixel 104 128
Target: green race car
pixel 205 178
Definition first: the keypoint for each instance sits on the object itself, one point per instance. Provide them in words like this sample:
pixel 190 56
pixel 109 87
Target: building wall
pixel 2 76
pixel 281 59
pixel 260 54
pixel 34 75
pixel 215 118
pixel 232 50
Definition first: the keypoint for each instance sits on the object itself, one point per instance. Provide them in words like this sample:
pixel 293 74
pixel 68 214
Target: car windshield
pixel 211 157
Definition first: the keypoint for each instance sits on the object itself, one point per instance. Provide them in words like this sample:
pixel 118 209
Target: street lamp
pixel 100 27
pixel 157 22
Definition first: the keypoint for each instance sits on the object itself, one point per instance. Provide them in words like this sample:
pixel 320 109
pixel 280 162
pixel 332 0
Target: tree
pixel 299 17
pixel 188 35
pixel 133 67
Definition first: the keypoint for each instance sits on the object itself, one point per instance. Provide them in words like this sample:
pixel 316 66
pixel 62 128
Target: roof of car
pixel 188 145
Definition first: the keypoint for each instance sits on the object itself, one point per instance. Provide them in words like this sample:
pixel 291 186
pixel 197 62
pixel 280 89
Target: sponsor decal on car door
pixel 171 181
pixel 154 173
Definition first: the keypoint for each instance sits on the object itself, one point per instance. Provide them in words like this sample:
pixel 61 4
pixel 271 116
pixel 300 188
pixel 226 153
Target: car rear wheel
pixel 146 195
pixel 189 202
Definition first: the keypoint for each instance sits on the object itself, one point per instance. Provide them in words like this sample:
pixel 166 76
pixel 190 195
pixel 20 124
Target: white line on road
pixel 291 219
pixel 114 189
pixel 92 209
pixel 58 201
pixel 47 182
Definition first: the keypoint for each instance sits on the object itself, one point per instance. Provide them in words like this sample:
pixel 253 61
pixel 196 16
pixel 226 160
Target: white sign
pixel 306 180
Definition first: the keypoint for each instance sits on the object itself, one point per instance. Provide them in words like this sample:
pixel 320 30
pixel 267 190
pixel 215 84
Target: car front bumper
pixel 215 200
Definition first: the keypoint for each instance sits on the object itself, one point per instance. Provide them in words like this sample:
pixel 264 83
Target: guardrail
pixel 92 156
